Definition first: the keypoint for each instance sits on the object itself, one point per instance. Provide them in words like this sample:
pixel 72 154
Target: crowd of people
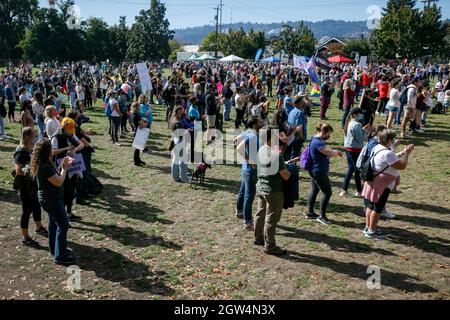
pixel 55 103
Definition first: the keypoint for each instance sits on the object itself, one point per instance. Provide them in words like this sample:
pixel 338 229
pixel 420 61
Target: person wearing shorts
pixel 410 108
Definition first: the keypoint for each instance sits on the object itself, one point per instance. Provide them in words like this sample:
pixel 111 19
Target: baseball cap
pixel 69 125
pixel 356 111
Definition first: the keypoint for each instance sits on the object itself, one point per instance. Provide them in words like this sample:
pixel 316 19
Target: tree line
pixel 42 34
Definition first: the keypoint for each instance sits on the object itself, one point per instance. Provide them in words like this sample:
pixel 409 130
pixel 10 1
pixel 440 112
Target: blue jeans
pixel 228 105
pixel 345 116
pixel 72 99
pixel 352 158
pixel 398 118
pixel 247 193
pixel 179 167
pixel 41 126
pixel 58 225
pixel 2 126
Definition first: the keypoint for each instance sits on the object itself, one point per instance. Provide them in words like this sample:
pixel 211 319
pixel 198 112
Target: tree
pixel 406 32
pixel 175 47
pixel 98 40
pixel 209 42
pixel 394 5
pixel 119 40
pixel 295 41
pixel 15 18
pixel 356 45
pixel 150 34
pixel 431 31
pixel 49 38
pixel 397 35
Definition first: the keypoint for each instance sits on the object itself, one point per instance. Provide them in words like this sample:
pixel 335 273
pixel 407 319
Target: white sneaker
pixel 420 130
pixel 344 194
pixel 1 138
pixel 358 195
pixel 377 113
pixel 388 215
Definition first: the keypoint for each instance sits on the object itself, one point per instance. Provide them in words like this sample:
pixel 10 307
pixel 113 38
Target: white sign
pixel 141 138
pixel 144 76
pixel 362 62
pixel 77 166
pixel 92 70
pixel 300 62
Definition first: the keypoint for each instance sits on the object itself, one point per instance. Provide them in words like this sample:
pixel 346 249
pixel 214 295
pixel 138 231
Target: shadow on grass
pixel 419 206
pixel 111 200
pixel 10 196
pixel 400 281
pixel 214 185
pixel 335 243
pixel 408 238
pixel 103 175
pixel 114 267
pixel 425 221
pixel 128 236
pixel 7 149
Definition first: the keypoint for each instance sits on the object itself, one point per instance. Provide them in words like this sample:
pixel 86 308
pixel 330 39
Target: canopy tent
pixel 271 59
pixel 193 57
pixel 232 58
pixel 205 57
pixel 339 59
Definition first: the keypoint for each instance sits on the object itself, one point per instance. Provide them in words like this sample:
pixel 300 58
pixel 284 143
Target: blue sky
pixel 186 13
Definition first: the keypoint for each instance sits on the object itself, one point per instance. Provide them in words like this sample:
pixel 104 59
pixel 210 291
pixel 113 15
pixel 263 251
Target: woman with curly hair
pixel 50 194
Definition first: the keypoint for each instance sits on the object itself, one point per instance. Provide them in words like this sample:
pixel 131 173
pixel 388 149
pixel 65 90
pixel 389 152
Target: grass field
pixel 148 238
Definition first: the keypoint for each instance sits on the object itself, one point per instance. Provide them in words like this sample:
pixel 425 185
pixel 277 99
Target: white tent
pixel 232 58
pixel 205 57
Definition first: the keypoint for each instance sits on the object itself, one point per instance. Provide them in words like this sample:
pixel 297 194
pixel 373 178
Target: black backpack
pixel 438 109
pixel 367 170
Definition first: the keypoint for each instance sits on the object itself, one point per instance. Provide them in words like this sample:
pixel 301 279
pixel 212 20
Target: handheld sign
pixel 78 165
pixel 141 138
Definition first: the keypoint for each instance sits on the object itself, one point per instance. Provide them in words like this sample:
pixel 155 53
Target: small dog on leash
pixel 198 176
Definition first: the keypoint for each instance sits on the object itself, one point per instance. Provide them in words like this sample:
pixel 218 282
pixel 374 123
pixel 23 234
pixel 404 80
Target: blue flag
pixel 258 54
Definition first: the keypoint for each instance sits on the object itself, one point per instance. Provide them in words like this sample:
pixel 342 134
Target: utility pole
pixel 217 31
pixel 221 11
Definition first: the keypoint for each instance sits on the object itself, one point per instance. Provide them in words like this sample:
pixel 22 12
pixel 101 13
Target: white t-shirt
pixel 385 157
pixel 37 108
pixel 52 126
pixel 113 102
pixel 240 103
pixel 80 92
pixel 394 98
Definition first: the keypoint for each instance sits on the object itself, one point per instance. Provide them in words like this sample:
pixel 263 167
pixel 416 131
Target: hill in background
pixel 330 28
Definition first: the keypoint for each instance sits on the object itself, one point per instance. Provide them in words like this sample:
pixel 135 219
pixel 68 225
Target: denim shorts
pixel 391 108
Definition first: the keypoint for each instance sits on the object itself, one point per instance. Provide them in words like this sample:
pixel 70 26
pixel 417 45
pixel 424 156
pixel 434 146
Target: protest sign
pixel 141 138
pixel 78 165
pixel 144 77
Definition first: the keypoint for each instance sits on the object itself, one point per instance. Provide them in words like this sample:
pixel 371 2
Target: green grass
pixel 148 238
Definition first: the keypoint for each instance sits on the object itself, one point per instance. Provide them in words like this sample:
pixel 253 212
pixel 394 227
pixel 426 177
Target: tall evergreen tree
pixel 150 34
pixel 431 31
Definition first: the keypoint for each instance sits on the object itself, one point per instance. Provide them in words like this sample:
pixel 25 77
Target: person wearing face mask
pixel 386 167
pixel 65 143
pixel 318 171
pixel 355 138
